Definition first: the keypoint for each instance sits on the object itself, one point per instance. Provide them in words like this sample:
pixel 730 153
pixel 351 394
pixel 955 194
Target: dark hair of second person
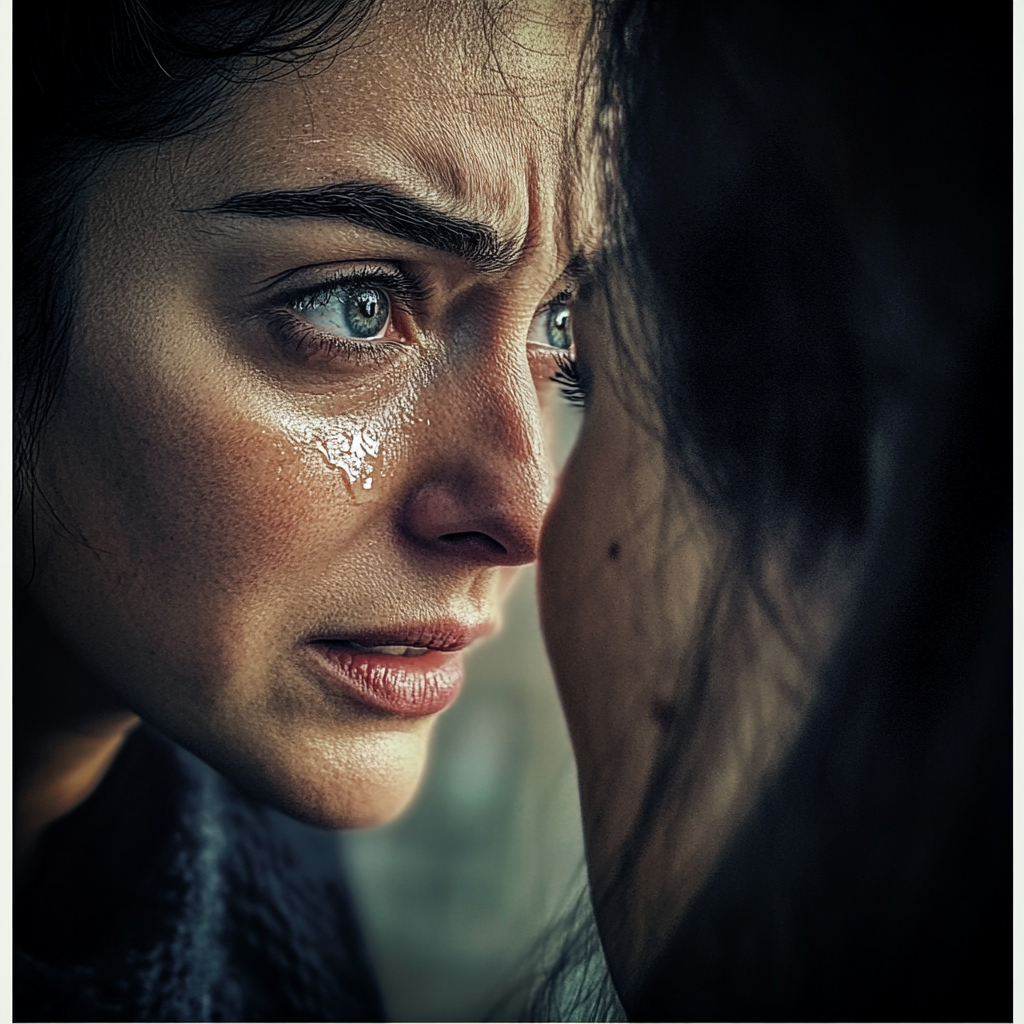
pixel 809 295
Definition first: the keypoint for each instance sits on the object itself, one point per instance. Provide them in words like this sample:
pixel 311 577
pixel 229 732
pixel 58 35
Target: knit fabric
pixel 169 895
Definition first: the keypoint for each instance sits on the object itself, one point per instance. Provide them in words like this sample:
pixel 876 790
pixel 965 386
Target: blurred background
pixel 456 895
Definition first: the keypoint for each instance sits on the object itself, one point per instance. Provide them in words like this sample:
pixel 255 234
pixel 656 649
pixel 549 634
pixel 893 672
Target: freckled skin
pixel 204 525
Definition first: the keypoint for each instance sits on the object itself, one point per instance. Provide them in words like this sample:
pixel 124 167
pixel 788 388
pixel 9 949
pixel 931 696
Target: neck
pixel 68 727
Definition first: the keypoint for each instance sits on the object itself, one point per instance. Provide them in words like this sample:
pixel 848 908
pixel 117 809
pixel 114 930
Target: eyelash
pixel 570 381
pixel 404 291
pixel 402 285
pixel 567 376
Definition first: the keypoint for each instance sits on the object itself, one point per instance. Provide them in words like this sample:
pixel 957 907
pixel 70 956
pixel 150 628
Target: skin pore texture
pixel 226 489
pixel 638 602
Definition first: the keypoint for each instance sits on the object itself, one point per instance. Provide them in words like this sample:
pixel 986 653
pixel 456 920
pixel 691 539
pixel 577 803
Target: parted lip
pixel 441 635
pixel 371 667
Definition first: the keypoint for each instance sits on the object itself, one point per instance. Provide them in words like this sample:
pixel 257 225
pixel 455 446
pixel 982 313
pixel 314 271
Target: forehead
pixel 474 107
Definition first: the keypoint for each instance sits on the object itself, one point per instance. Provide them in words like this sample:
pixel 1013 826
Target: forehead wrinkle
pixel 556 226
pixel 521 180
pixel 480 183
pixel 445 160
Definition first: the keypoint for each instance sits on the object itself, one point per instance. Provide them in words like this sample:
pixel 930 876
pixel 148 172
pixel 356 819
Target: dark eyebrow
pixel 383 209
pixel 581 265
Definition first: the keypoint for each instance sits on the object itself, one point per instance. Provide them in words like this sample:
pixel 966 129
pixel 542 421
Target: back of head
pixel 818 209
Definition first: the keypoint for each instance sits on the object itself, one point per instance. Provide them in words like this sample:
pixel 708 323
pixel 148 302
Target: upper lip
pixel 441 635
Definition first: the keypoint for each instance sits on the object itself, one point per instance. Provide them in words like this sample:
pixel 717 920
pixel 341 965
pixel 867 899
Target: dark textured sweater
pixel 171 896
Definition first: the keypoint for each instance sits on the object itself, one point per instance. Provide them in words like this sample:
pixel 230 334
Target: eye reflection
pixel 551 328
pixel 348 310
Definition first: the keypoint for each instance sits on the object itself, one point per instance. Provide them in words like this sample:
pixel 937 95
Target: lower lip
pixel 413 687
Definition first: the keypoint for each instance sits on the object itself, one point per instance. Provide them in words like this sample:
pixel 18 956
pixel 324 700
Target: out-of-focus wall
pixel 454 893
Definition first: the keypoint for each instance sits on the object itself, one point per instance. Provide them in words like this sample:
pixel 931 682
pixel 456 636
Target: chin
pixel 338 782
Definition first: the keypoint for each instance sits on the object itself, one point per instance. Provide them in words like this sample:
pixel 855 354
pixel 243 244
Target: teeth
pixel 395 651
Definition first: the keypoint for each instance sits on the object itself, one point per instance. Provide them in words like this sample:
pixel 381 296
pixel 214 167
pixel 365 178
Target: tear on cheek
pixel 352 450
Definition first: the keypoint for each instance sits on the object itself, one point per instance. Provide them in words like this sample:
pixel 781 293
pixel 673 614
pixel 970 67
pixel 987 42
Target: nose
pixel 486 479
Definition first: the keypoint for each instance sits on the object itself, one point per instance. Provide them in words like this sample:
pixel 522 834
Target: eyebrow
pixel 381 208
pixel 581 265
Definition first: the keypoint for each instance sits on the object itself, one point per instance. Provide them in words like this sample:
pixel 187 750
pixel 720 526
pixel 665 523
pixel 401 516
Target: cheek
pixel 579 592
pixel 208 487
pixel 619 575
pixel 579 584
pixel 599 667
pixel 203 515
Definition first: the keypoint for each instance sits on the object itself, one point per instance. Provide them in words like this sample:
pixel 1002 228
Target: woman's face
pixel 622 564
pixel 661 649
pixel 299 448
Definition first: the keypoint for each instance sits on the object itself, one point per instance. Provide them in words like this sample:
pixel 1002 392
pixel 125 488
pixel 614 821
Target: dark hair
pixel 813 208
pixel 92 78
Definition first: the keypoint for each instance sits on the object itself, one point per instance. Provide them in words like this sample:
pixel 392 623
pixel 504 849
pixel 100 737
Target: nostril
pixel 473 538
pixel 481 521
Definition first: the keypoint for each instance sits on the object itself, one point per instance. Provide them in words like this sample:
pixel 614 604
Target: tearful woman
pixel 292 283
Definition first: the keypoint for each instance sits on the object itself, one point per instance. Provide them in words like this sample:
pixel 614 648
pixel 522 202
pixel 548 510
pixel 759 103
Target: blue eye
pixel 349 310
pixel 551 328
